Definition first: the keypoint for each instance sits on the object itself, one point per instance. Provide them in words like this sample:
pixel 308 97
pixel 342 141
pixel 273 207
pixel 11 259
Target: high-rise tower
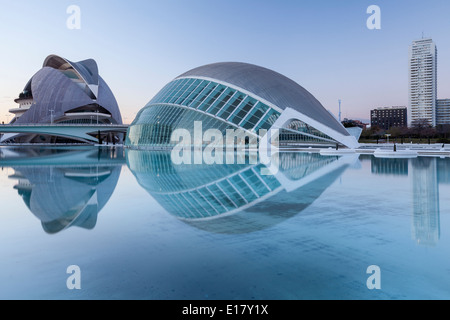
pixel 422 82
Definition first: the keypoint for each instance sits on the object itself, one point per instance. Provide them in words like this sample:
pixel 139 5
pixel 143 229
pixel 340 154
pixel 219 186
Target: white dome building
pixel 64 92
pixel 234 95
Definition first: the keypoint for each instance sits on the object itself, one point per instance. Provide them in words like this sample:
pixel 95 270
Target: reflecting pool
pixel 140 227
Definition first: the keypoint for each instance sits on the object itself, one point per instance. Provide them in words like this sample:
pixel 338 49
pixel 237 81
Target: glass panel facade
pixel 176 92
pixel 184 101
pixel 219 103
pixel 229 108
pixel 306 134
pixel 186 92
pixel 254 116
pixel 195 93
pixel 209 101
pixel 239 114
pixel 198 100
pixel 267 122
pixel 155 125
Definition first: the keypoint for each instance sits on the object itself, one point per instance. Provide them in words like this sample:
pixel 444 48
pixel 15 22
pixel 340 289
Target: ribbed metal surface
pixel 52 90
pixel 88 69
pixel 271 86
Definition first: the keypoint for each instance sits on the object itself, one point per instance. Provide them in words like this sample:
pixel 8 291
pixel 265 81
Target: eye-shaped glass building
pixel 235 95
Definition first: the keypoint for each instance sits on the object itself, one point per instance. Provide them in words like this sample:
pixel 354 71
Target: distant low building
pixel 350 123
pixel 442 111
pixel 390 117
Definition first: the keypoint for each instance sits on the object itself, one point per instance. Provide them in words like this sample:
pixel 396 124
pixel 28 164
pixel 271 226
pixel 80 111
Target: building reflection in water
pixel 388 166
pixel 65 187
pixel 426 215
pixel 424 172
pixel 234 199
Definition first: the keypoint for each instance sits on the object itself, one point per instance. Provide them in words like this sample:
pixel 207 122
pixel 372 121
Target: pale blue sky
pixel 324 45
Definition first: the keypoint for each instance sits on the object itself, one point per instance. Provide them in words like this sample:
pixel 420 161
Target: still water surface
pixel 140 227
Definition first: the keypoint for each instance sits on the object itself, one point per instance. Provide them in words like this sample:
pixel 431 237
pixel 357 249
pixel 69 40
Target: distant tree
pixel 443 132
pixel 404 133
pixel 374 129
pixel 366 134
pixel 398 133
pixel 377 133
pixel 419 127
pixel 395 132
pixel 429 133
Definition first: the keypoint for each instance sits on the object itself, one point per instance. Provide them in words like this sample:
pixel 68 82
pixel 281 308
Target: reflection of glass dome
pixel 62 196
pixel 235 198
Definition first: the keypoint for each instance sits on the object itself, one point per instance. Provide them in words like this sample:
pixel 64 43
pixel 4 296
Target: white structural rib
pixel 290 114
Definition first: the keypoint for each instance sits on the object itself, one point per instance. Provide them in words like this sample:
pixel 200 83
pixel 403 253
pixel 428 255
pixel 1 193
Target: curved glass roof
pixel 269 85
